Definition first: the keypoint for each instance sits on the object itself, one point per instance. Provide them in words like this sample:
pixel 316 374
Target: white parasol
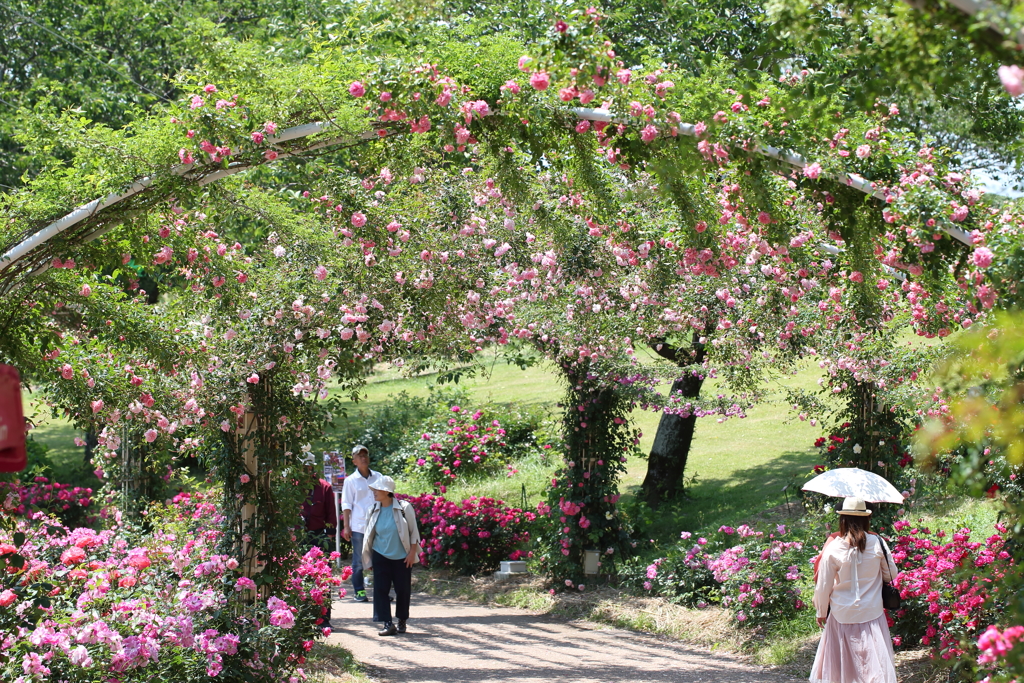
pixel 853 482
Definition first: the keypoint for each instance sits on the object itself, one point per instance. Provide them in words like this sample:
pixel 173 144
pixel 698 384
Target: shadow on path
pixel 455 642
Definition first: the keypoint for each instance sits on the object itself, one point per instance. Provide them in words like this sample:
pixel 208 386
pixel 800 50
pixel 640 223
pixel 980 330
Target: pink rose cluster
pixel 463 443
pixel 756 580
pixel 959 581
pixel 71 504
pixel 124 602
pixel 472 536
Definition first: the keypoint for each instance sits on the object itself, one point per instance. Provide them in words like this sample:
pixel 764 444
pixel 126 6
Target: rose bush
pixel 86 605
pixel 462 443
pixel 472 536
pixel 951 588
pixel 72 505
pixel 753 574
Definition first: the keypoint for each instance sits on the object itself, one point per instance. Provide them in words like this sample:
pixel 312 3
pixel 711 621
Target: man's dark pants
pixel 357 562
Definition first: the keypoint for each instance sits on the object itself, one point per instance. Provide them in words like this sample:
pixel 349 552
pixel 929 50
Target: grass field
pixel 735 467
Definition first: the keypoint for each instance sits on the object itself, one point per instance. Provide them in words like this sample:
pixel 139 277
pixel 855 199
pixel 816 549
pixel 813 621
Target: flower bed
pixel 460 444
pixel 754 574
pixel 79 605
pixel 472 536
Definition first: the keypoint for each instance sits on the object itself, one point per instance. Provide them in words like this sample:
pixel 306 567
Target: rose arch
pixel 463 213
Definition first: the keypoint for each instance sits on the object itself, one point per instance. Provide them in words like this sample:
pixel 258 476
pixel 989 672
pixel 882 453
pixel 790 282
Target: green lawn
pixel 737 467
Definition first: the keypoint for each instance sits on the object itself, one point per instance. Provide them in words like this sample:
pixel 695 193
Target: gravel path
pixel 451 641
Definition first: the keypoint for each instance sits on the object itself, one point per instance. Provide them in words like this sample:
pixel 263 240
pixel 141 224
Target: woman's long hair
pixel 855 530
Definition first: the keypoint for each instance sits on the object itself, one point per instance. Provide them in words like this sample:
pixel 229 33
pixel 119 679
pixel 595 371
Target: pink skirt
pixel 854 653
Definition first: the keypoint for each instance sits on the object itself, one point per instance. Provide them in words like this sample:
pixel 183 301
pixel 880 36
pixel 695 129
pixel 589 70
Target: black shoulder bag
pixel 891 599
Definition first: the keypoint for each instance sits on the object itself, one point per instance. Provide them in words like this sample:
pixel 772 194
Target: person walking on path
pixel 392 547
pixel 855 646
pixel 356 501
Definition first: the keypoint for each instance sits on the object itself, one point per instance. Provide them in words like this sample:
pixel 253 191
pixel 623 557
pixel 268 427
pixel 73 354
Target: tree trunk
pixel 666 463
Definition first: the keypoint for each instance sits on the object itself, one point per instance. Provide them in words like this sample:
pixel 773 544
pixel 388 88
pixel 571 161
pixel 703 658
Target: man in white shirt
pixel 356 501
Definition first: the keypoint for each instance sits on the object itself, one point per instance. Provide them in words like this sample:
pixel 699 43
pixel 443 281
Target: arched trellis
pixel 11 261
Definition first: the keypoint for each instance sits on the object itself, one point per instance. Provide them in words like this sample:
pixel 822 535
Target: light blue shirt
pixel 386 540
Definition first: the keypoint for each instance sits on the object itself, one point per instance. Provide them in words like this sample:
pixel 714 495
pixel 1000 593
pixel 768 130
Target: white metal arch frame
pixel 25 249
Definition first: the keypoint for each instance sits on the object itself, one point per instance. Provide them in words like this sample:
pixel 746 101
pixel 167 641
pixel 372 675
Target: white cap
pixel 360 447
pixel 382 483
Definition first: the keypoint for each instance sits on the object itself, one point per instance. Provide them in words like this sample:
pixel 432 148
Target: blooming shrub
pixel 680 578
pixel 460 444
pixel 755 576
pixel 472 536
pixel 72 505
pixel 388 429
pixel 118 604
pixel 951 588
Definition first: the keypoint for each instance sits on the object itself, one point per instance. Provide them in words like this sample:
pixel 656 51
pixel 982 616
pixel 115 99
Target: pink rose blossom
pixel 72 555
pixel 356 89
pixel 151 435
pixel 1012 78
pixel 540 80
pixel 982 257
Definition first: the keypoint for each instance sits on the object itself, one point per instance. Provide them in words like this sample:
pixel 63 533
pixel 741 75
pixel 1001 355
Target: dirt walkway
pixel 451 641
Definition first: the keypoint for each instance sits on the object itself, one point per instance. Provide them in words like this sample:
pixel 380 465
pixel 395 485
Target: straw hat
pixel 855 507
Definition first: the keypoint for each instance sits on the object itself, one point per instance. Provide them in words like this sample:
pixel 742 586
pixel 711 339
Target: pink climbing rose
pixel 356 89
pixel 1013 79
pixel 540 80
pixel 982 257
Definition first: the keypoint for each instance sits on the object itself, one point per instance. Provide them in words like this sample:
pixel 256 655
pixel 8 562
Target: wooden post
pixel 246 437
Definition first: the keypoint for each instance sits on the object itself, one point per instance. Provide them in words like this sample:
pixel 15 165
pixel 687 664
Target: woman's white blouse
pixel 850 581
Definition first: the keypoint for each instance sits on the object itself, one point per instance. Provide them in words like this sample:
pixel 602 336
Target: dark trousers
pixel 387 573
pixel 357 562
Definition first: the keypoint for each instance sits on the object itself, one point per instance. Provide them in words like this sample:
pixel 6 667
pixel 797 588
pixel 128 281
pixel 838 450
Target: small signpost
pixel 13 457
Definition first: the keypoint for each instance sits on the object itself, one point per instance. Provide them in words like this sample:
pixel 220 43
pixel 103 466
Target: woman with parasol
pixel 856 646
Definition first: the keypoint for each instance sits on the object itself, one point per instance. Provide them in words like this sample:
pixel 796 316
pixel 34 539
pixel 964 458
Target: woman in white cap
pixel 391 548
pixel 855 646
